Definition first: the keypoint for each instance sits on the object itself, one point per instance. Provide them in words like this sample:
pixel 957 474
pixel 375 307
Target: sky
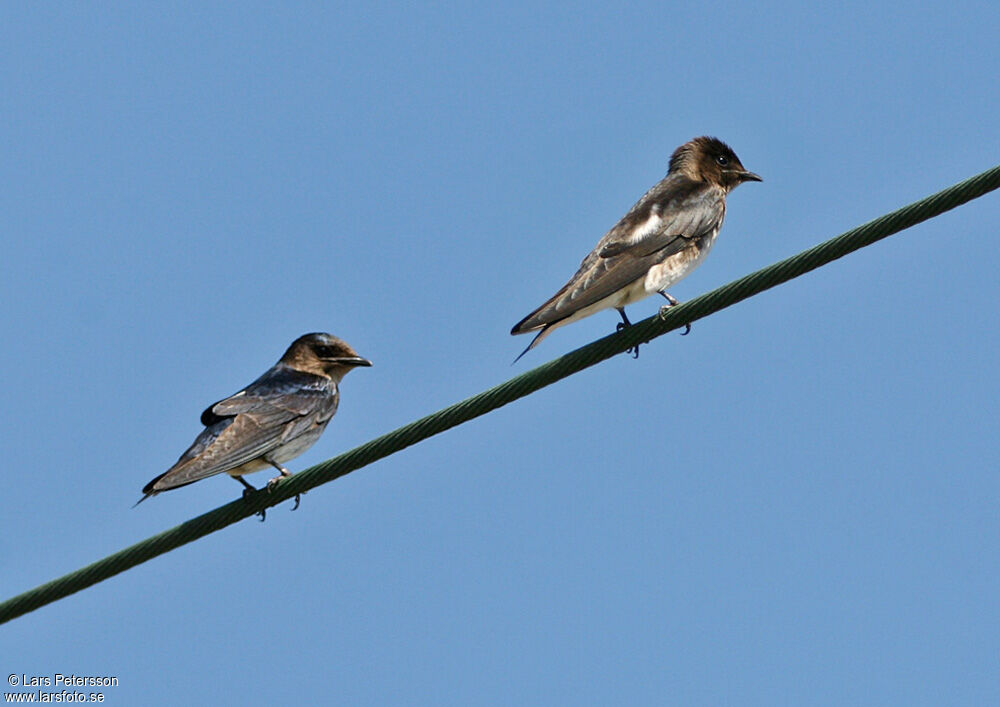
pixel 797 503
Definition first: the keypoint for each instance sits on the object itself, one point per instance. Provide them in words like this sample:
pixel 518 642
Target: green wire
pixel 506 392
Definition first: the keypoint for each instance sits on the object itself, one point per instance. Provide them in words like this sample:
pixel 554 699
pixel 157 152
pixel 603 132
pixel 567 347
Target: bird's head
pixel 323 355
pixel 708 159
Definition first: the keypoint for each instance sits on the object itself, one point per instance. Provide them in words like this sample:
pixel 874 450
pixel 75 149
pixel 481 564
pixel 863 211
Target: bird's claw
pixel 247 494
pixel 634 350
pixel 666 308
pixel 625 324
pixel 271 483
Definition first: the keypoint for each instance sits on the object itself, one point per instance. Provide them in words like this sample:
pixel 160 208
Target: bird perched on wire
pixel 274 419
pixel 659 241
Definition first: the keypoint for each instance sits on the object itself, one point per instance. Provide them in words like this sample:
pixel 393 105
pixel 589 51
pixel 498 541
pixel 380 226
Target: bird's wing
pixel 642 239
pixel 248 425
pixel 280 387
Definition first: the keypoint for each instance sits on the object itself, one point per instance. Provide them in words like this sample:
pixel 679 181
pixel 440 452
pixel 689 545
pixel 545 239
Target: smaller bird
pixel 276 418
pixel 662 238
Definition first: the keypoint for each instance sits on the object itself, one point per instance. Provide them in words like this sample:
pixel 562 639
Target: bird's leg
pixel 246 494
pixel 624 324
pixel 284 472
pixel 673 303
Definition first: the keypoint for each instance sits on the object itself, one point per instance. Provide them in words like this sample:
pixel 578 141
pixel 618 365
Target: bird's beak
pixel 350 361
pixel 749 177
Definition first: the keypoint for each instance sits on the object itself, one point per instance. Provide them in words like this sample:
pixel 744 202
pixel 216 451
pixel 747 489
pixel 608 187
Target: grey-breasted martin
pixel 274 419
pixel 658 242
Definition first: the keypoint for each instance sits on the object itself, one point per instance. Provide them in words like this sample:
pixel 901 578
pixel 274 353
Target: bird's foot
pixel 625 324
pixel 271 483
pixel 666 308
pixel 282 473
pixel 247 495
pixel 634 350
pixel 248 492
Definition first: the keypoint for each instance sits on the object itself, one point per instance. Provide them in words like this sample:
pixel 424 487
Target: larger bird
pixel 274 419
pixel 658 242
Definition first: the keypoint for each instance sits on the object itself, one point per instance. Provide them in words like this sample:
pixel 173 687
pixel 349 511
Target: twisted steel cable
pixel 506 392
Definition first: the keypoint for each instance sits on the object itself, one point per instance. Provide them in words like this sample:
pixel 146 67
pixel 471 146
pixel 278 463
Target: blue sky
pixel 796 504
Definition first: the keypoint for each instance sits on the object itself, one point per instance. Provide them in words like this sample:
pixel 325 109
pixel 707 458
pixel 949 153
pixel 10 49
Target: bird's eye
pixel 722 160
